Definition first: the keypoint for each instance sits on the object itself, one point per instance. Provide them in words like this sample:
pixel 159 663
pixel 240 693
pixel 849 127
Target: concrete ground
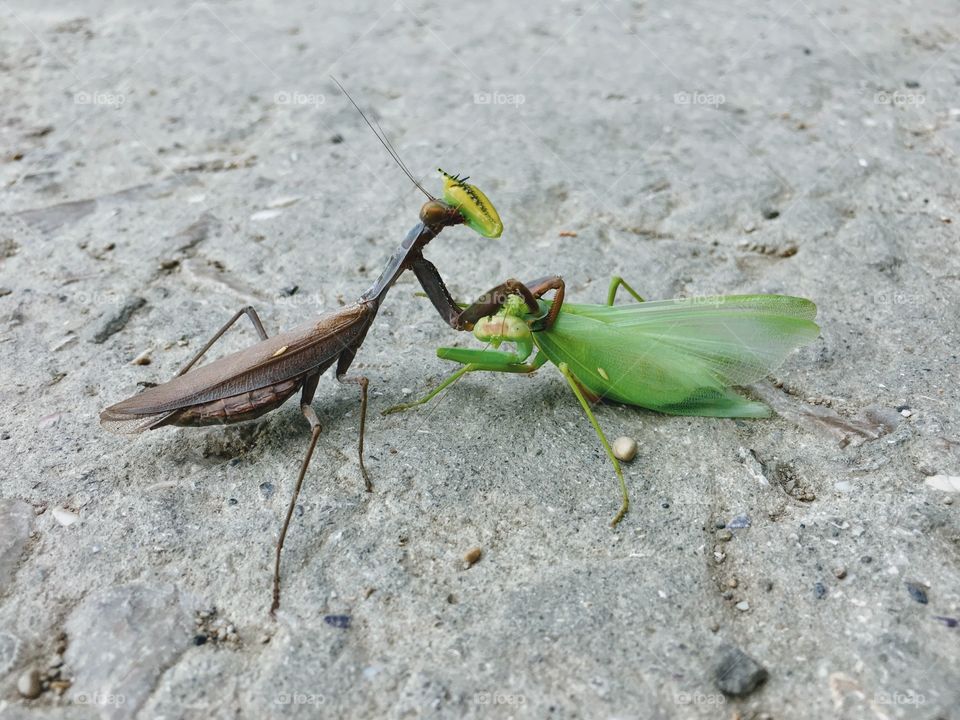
pixel 163 166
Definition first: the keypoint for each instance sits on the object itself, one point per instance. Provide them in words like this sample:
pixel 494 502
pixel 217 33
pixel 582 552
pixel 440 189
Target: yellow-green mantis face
pixel 477 210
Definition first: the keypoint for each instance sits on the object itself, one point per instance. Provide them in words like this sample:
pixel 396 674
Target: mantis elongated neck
pixel 418 236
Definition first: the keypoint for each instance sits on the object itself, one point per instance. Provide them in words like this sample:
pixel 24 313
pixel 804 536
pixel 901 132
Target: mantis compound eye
pixel 435 213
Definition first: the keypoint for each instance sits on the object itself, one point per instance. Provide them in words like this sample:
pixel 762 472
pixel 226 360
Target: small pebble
pixel 473 556
pixel 732 582
pixel 739 522
pixel 840 573
pixel 819 590
pixel 906 412
pixel 737 674
pixel 743 606
pixel 28 684
pixel 724 536
pixel 917 593
pixel 266 489
pixel 625 448
pixel 337 621
pixel 64 516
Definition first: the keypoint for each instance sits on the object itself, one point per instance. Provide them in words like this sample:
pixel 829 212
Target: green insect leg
pixel 575 386
pixel 493 362
pixel 615 282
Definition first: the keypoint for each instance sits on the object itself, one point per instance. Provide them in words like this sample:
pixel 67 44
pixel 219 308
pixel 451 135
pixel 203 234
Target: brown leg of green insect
pixel 615 283
pixel 249 312
pixel 575 386
pixel 540 287
pixel 306 397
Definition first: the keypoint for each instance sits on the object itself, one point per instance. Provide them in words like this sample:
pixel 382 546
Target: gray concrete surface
pixel 164 165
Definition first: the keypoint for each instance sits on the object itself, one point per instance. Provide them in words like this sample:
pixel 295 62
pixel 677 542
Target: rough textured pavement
pixel 162 167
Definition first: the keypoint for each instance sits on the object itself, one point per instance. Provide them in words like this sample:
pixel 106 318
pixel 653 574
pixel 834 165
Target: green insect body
pixel 677 356
pixel 477 210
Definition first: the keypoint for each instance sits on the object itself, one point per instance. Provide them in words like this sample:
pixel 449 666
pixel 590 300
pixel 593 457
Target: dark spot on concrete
pixel 917 593
pixel 337 621
pixel 736 673
pixel 119 321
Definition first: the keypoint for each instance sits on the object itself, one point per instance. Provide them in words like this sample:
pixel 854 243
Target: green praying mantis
pixel 679 356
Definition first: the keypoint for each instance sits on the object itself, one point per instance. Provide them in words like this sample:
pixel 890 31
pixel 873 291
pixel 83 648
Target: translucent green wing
pixel 680 356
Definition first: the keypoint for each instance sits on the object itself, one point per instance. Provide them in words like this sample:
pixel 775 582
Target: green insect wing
pixel 477 210
pixel 680 356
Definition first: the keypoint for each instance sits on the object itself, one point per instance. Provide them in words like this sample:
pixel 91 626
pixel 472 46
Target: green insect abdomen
pixel 477 210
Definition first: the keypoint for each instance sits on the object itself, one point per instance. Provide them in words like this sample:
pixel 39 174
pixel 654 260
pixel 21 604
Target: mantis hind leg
pixel 249 312
pixel 615 283
pixel 575 386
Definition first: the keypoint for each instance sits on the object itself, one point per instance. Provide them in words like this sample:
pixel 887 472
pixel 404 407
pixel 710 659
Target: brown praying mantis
pixel 247 384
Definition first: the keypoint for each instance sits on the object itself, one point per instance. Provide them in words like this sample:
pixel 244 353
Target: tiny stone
pixel 720 524
pixel 917 593
pixel 819 590
pixel 724 536
pixel 840 573
pixel 625 448
pixel 732 582
pixel 266 489
pixel 743 606
pixel 736 673
pixel 906 413
pixel 866 559
pixel 199 639
pixel 28 684
pixel 473 556
pixel 714 627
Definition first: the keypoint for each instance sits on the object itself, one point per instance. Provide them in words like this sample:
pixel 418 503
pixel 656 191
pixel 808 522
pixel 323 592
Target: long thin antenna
pixel 382 137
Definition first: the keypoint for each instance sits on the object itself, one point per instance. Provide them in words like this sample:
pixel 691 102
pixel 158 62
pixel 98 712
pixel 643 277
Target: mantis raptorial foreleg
pixel 575 386
pixel 615 282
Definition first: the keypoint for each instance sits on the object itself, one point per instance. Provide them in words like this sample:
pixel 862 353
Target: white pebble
pixel 743 606
pixel 28 684
pixel 65 517
pixel 625 448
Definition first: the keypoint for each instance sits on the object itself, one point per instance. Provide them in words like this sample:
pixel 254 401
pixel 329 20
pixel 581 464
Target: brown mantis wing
pixel 282 357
